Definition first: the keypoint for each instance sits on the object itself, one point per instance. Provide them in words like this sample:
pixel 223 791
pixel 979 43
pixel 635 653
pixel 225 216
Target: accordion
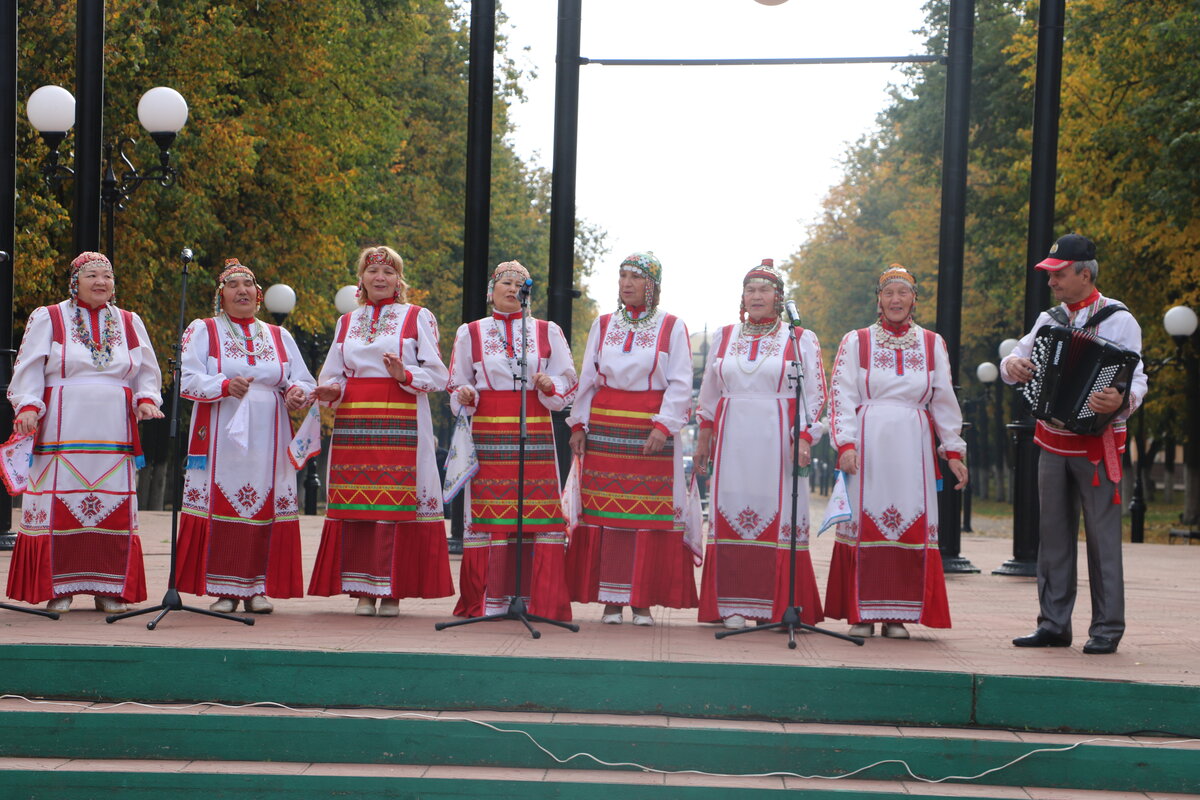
pixel 1069 365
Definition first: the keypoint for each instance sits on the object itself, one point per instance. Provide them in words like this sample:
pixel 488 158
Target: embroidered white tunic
pixel 246 466
pixel 83 451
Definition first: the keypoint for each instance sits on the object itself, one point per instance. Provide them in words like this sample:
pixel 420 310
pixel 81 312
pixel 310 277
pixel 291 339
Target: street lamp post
pixel 162 112
pixel 1180 323
pixel 987 373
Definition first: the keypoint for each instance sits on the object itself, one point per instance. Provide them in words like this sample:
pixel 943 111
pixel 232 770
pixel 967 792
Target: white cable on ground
pixel 589 756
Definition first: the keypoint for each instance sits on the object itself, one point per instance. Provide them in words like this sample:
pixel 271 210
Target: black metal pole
pixel 955 141
pixel 477 226
pixel 560 291
pixel 8 232
pixel 1043 173
pixel 1191 451
pixel 1137 505
pixel 89 121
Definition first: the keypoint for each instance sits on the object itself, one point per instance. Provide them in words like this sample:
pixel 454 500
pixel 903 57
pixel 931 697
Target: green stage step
pixel 200 786
pixel 220 737
pixel 727 691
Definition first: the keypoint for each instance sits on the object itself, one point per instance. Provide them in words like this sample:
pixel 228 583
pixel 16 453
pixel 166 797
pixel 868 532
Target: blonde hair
pixel 360 266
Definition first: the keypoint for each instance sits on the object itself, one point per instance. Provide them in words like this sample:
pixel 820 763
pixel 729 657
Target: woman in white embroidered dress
pixel 84 377
pixel 893 413
pixel 485 384
pixel 240 534
pixel 634 396
pixel 384 536
pixel 746 407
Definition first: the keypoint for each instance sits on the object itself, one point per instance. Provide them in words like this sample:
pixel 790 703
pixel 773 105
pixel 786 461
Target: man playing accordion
pixel 1078 472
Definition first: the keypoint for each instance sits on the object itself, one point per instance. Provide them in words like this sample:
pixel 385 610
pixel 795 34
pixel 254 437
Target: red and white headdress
pixel 503 270
pixel 81 261
pixel 234 267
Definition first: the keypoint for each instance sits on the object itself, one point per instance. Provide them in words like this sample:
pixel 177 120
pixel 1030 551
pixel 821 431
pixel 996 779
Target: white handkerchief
pixel 239 426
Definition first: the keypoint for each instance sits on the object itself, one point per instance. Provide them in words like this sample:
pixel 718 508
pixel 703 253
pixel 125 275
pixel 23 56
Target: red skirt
pixel 487 575
pixel 30 571
pixel 382 559
pixel 636 568
pixel 223 558
pixel 806 595
pixel 841 596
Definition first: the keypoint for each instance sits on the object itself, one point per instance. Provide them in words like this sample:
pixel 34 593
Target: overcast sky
pixel 712 168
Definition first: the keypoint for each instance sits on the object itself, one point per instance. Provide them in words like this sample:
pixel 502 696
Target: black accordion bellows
pixel 1070 364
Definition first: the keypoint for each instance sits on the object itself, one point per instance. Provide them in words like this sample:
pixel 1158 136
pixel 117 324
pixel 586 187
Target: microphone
pixel 526 287
pixel 792 313
pixel 186 255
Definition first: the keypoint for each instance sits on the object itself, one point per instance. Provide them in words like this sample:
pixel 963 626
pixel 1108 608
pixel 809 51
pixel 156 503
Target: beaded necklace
pixel 754 333
pixel 259 344
pixel 636 323
pixel 886 340
pixel 101 351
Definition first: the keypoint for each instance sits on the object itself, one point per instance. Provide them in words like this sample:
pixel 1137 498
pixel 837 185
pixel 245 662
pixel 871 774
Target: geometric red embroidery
pixel 90 506
pixel 891 518
pixel 247 495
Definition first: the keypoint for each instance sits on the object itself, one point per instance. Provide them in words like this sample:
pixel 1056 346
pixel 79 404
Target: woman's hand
pixel 145 411
pixel 703 450
pixel 239 386
pixel 327 393
pixel 543 383
pixel 960 471
pixel 578 442
pixel 848 462
pixel 655 442
pixel 804 454
pixel 26 422
pixel 295 398
pixel 395 367
pixel 466 395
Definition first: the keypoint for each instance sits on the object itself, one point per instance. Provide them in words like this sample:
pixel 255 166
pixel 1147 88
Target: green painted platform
pixel 729 691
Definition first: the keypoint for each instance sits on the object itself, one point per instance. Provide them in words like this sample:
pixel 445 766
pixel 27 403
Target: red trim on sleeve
pixel 407 378
pixel 950 454
pixel 844 448
pixel 27 408
pixel 578 426
pixel 662 428
pixel 146 401
pixel 706 424
pixel 806 436
pixel 225 388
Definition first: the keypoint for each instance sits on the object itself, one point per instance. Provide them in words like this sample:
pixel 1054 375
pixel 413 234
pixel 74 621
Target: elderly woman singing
pixel 746 405
pixel 634 396
pixel 240 534
pixel 84 376
pixel 893 413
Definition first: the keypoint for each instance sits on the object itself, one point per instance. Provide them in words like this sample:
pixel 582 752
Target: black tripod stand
pixel 516 603
pixel 171 600
pixel 40 612
pixel 791 617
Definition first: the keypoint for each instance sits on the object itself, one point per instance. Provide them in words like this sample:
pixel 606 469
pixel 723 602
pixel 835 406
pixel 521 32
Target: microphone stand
pixel 791 617
pixel 517 608
pixel 171 600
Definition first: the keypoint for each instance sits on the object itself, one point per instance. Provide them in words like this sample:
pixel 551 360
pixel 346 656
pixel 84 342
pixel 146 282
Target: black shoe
pixel 1043 638
pixel 1100 646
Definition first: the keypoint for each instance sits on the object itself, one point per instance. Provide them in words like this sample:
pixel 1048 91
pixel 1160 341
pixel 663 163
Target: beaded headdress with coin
pixel 503 270
pixel 896 273
pixel 764 274
pixel 647 265
pixel 82 260
pixel 235 267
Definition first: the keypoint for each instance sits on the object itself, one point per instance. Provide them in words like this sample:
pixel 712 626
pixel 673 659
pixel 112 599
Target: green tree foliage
pixel 316 128
pixel 1128 175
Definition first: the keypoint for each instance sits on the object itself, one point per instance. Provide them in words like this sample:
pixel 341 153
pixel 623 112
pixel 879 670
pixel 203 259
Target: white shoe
pixel 895 630
pixel 225 605
pixel 60 604
pixel 389 607
pixel 864 629
pixel 612 617
pixel 110 605
pixel 734 622
pixel 365 607
pixel 258 604
pixel 644 620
